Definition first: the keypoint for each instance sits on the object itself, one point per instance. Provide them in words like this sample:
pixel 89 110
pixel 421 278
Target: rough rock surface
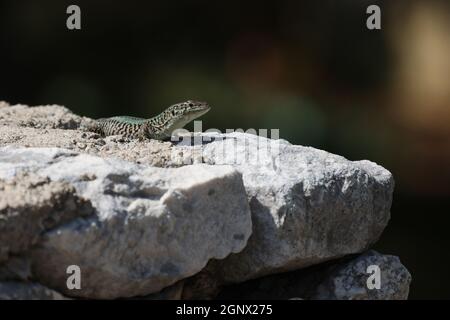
pixel 42 117
pixel 46 126
pixel 174 292
pixel 349 280
pixel 16 268
pixel 27 291
pixel 345 279
pixel 151 227
pixel 31 205
pixel 308 206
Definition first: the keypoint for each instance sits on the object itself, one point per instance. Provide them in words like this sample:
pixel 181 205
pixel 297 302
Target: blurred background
pixel 310 68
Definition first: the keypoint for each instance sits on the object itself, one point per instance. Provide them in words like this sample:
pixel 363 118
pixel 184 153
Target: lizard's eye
pixel 191 104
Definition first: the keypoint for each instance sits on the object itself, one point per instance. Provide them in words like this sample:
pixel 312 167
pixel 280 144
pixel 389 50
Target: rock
pixel 150 231
pixel 16 268
pixel 345 279
pixel 46 126
pixel 173 292
pixel 308 206
pixel 349 280
pixel 205 285
pixel 27 291
pixel 151 227
pixel 31 205
pixel 43 117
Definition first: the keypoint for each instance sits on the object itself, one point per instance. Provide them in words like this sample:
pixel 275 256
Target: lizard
pixel 159 127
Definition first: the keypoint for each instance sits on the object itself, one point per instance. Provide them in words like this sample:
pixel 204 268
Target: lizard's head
pixel 185 112
pixel 176 116
pixel 192 109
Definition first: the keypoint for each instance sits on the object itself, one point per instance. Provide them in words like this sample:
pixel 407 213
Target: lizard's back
pixel 128 119
pixel 124 125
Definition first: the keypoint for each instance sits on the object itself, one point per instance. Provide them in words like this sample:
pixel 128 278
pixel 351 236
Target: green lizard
pixel 159 127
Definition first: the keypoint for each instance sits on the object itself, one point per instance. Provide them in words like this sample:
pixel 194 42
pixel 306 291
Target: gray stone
pixel 40 117
pixel 349 280
pixel 16 268
pixel 173 292
pixel 31 205
pixel 144 230
pixel 205 285
pixel 27 291
pixel 151 226
pixel 344 279
pixel 47 126
pixel 308 206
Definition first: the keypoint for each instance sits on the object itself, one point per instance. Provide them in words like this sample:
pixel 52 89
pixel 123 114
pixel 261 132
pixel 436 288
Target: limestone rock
pixel 147 230
pixel 42 117
pixel 344 279
pixel 27 291
pixel 349 280
pixel 31 205
pixel 173 292
pixel 308 206
pixel 151 226
pixel 47 126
